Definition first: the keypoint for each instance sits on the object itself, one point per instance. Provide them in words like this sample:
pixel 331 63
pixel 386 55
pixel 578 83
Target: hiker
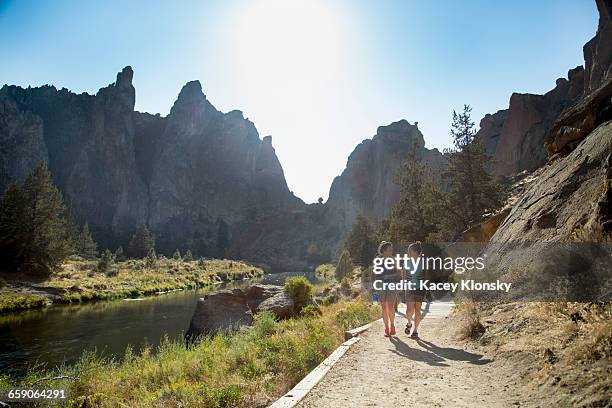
pixel 414 297
pixel 388 298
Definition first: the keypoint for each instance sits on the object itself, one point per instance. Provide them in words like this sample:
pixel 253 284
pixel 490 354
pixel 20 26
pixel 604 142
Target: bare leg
pixel 392 306
pixel 417 315
pixel 409 311
pixel 384 314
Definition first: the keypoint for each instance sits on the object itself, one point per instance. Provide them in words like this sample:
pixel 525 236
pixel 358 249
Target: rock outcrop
pixel 232 309
pixel 538 246
pixel 515 137
pixel 198 177
pixel 533 128
pixel 368 184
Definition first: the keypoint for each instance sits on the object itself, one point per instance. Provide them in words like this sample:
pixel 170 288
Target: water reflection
pixel 57 335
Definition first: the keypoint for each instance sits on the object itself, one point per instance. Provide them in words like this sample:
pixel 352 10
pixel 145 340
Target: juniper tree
pixel 472 190
pixel 141 243
pixel 151 259
pixel 106 261
pixel 85 245
pixel 361 242
pixel 344 266
pixel 188 256
pixel 177 255
pixel 35 234
pixel 413 216
pixel 119 255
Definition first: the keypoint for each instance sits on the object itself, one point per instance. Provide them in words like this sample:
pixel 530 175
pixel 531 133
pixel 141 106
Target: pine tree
pixel 85 245
pixel 413 216
pixel 177 255
pixel 472 190
pixel 344 266
pixel 119 255
pixel 362 241
pixel 188 256
pixel 151 259
pixel 106 261
pixel 35 234
pixel 141 243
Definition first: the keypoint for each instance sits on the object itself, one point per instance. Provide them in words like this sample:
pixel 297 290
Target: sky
pixel 318 75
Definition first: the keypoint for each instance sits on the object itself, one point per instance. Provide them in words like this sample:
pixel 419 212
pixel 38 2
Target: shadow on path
pixel 402 349
pixel 455 354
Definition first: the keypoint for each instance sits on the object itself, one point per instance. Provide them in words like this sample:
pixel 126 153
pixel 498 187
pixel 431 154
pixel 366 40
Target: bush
pixel 471 327
pixel 106 261
pixel 151 259
pixel 177 255
pixel 357 314
pixel 344 267
pixel 310 311
pixel 188 256
pixel 300 291
pixel 202 263
pixel 346 283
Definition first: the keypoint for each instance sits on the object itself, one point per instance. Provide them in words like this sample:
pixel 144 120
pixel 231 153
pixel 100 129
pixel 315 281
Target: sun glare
pixel 290 44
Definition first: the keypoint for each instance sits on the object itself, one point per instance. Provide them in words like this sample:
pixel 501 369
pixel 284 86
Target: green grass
pixel 15 301
pixel 80 281
pixel 245 369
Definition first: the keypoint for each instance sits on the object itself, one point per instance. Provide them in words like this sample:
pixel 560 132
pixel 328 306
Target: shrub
pixel 471 327
pixel 202 263
pixel 346 283
pixel 357 314
pixel 300 291
pixel 151 259
pixel 177 255
pixel 188 256
pixel 106 261
pixel 310 311
pixel 344 267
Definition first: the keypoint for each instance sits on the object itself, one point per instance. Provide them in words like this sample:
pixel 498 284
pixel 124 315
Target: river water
pixel 60 334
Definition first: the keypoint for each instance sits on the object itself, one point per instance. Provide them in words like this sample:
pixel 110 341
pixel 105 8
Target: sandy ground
pixel 433 371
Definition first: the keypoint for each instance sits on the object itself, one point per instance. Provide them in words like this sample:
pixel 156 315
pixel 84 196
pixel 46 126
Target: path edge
pixel 301 389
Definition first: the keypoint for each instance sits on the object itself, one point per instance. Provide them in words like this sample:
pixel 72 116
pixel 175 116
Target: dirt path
pixel 434 371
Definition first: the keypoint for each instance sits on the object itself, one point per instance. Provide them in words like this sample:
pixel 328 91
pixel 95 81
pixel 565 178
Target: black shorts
pixel 415 295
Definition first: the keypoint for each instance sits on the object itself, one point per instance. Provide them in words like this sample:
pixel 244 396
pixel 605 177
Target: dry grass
pixel 246 369
pixel 562 350
pixel 79 280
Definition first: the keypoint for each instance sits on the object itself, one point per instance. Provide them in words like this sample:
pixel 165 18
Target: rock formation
pixel 232 309
pixel 368 184
pixel 515 137
pixel 197 177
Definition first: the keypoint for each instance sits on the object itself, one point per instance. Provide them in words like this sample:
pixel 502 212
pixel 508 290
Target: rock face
pixel 231 309
pixel 516 137
pixel 533 246
pixel 368 184
pixel 198 177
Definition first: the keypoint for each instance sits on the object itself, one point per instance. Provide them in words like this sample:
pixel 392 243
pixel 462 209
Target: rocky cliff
pixel 197 177
pixel 368 183
pixel 516 137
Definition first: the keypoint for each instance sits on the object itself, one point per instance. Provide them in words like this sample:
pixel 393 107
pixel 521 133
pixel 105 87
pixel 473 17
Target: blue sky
pixel 317 75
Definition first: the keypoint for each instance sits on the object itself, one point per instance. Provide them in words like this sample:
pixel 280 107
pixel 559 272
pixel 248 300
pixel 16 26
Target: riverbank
pixel 79 280
pixel 249 368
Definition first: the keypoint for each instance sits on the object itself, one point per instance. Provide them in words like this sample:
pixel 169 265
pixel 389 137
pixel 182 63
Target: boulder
pixel 232 309
pixel 280 304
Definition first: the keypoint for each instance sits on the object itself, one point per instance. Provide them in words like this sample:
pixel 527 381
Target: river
pixel 60 334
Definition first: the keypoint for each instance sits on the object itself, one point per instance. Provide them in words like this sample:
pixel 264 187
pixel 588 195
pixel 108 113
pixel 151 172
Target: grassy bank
pixel 247 369
pixel 79 280
pixel 560 350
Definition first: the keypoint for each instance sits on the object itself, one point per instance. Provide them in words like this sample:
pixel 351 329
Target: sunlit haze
pixel 318 75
